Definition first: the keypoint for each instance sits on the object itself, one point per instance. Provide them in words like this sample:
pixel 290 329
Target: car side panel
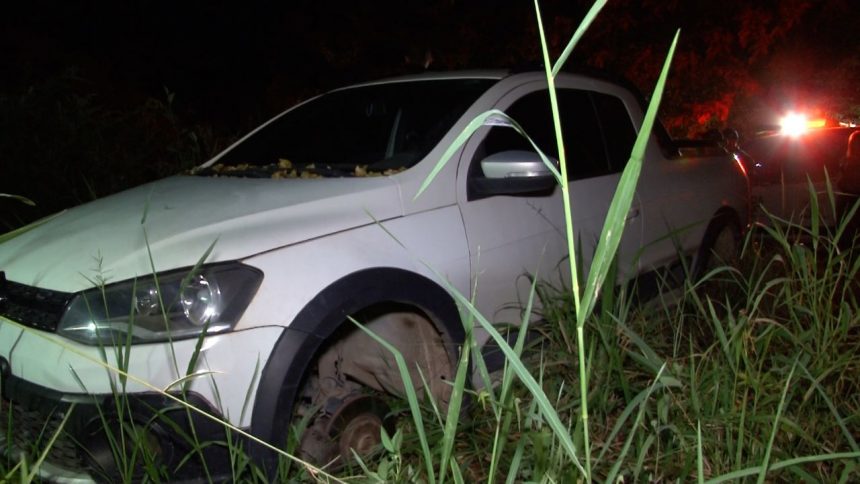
pixel 427 243
pixel 680 197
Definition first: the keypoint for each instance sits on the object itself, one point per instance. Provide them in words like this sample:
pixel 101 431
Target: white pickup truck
pixel 312 219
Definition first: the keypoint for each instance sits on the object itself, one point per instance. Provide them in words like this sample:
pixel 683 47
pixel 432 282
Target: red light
pixel 793 124
pixel 796 124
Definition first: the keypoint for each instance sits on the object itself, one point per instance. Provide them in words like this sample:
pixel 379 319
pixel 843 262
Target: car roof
pixel 436 76
pixel 499 74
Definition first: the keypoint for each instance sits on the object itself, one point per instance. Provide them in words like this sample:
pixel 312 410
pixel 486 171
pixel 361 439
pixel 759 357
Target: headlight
pixel 172 305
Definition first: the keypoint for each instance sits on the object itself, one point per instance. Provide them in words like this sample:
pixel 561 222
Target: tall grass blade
pixel 19 468
pixel 621 202
pixel 644 450
pixel 547 409
pixel 831 193
pixel 815 210
pixel 700 460
pixel 636 402
pixel 742 428
pixel 24 200
pixel 456 473
pixel 452 420
pixel 190 371
pixel 477 357
pixel 616 467
pixel 187 379
pixel 22 230
pixel 250 392
pixel 173 360
pixel 829 402
pixel 411 397
pixel 769 448
pixel 736 476
pixel 580 31
pixel 721 335
pixel 123 351
pixel 506 396
pixel 146 205
pixel 50 444
pixel 648 358
pixel 563 178
pixel 516 462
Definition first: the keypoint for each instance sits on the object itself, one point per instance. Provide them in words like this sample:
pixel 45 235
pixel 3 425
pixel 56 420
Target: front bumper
pixel 111 438
pixel 46 378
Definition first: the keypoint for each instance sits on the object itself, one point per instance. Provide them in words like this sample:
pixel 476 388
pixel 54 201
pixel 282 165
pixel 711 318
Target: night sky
pixel 234 63
pixel 91 90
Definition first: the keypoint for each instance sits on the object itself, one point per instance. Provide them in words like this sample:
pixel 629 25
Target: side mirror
pixel 514 173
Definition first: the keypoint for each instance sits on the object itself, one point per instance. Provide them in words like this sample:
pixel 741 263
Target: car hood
pixel 177 219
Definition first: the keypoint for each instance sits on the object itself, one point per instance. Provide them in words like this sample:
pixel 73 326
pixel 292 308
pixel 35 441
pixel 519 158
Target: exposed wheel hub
pixel 362 434
pixel 354 426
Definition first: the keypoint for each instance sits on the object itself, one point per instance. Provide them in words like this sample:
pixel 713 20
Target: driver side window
pixel 597 131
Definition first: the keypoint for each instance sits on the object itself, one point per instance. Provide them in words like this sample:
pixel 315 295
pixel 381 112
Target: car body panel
pixel 294 277
pixel 673 223
pixel 177 219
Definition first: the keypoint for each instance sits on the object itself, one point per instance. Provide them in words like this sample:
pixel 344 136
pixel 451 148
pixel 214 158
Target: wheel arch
pixel 723 217
pixel 318 320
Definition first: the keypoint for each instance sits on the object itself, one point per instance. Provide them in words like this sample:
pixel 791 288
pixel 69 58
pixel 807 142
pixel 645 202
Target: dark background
pixel 97 96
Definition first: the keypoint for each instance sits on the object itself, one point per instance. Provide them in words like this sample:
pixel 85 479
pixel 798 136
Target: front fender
pixel 297 346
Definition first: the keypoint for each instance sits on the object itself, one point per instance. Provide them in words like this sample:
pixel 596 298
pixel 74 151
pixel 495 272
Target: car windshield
pixel 363 131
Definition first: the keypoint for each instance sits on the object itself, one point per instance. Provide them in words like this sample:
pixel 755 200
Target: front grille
pixel 31 431
pixel 32 306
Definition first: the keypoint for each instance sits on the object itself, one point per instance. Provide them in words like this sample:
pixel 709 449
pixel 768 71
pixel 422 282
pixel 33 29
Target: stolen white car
pixel 256 261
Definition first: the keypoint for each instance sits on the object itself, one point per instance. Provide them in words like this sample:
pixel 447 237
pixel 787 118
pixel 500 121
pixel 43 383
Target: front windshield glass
pixel 364 131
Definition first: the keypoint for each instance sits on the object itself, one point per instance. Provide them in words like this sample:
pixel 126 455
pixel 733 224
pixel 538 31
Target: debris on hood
pixel 285 169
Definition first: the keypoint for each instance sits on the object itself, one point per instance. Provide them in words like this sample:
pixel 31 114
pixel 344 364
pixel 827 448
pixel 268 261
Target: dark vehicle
pixel 783 166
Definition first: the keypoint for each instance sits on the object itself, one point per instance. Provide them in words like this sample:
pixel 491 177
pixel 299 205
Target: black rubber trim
pixel 319 319
pixel 481 187
pixel 34 395
pixel 90 413
pixel 32 306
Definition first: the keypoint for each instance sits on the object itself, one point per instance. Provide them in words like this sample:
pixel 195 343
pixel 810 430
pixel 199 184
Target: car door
pixel 512 236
